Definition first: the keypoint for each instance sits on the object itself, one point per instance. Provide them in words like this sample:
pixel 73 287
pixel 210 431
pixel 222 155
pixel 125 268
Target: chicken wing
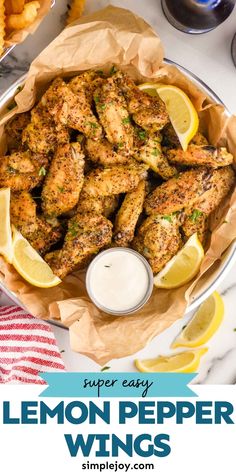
pixel 208 156
pixel 22 170
pixel 128 214
pixel 42 134
pixel 14 129
pixel 102 152
pixel 101 205
pixel 196 216
pixel 70 109
pixel 179 192
pixel 41 233
pixel 114 180
pixel 87 82
pixel 114 116
pixel 151 154
pixel 158 240
pixel 147 111
pixel 86 235
pixel 64 180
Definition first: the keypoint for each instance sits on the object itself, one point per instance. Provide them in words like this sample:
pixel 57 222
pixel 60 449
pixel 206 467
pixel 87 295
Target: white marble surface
pixel 208 56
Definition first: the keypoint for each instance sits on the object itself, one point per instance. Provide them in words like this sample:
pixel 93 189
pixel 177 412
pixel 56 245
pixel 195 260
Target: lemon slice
pixel 182 267
pixel 30 265
pixel 182 113
pixel 203 325
pixel 5 226
pixel 184 362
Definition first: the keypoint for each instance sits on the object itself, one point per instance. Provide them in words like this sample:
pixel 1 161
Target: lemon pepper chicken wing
pixel 196 216
pixel 148 112
pixel 64 180
pixel 102 152
pixel 41 233
pixel 87 82
pixel 70 109
pixel 86 235
pixel 102 205
pixel 128 214
pixel 114 116
pixel 22 170
pixel 151 154
pixel 14 129
pixel 158 240
pixel 179 192
pixel 209 156
pixel 114 180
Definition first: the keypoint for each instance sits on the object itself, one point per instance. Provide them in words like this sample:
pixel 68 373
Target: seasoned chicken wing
pixel 64 180
pixel 208 156
pixel 87 233
pixel 151 154
pixel 70 109
pixel 114 116
pixel 14 129
pixel 114 180
pixel 179 192
pixel 22 170
pixel 101 205
pixel 102 152
pixel 87 82
pixel 158 240
pixel 42 234
pixel 147 111
pixel 128 214
pixel 196 216
pixel 42 134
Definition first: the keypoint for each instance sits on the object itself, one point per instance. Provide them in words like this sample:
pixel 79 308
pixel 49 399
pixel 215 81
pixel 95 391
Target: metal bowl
pixel 213 280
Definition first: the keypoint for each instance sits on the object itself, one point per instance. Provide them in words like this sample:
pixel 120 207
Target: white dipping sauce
pixel 118 280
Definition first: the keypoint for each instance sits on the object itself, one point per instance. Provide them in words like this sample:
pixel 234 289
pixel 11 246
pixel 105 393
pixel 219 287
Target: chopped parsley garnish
pixel 126 121
pixel 102 106
pixel 11 170
pixel 42 171
pixel 79 138
pixel 167 218
pixel 18 90
pixel 120 145
pixel 107 266
pixel 92 124
pixel 234 329
pixel 113 70
pixel 155 152
pixel 195 215
pixel 61 189
pixel 96 99
pixel 106 367
pixel 73 229
pixel 142 134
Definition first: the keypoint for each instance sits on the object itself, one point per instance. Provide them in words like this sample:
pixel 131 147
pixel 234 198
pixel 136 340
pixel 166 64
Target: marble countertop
pixel 208 56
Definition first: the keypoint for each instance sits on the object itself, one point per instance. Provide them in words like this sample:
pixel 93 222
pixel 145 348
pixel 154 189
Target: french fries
pixel 2 25
pixel 75 10
pixel 23 19
pixel 16 15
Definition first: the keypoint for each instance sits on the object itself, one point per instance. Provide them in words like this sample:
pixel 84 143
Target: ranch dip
pixel 119 281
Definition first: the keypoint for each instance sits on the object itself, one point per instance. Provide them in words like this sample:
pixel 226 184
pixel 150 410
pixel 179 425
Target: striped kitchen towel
pixel 27 347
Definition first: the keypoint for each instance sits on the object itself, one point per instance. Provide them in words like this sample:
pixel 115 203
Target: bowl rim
pixel 7 96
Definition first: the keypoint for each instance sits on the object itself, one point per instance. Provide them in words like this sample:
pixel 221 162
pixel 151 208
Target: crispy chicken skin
pixel 64 180
pixel 114 116
pixel 114 180
pixel 179 192
pixel 128 214
pixel 70 109
pixel 148 112
pixel 196 216
pixel 101 205
pixel 101 152
pixel 208 156
pixel 87 82
pixel 158 240
pixel 87 233
pixel 14 129
pixel 21 170
pixel 42 134
pixel 151 154
pixel 41 233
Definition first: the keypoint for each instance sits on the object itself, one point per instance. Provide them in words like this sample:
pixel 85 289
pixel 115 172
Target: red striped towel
pixel 27 347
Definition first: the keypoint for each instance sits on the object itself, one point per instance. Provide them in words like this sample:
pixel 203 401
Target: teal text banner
pixel 113 384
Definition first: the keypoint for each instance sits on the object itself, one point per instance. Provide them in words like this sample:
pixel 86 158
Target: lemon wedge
pixel 182 113
pixel 30 264
pixel 184 362
pixel 204 323
pixel 182 267
pixel 5 226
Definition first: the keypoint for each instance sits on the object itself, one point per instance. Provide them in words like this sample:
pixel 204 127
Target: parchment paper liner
pixel 17 37
pixel 115 35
